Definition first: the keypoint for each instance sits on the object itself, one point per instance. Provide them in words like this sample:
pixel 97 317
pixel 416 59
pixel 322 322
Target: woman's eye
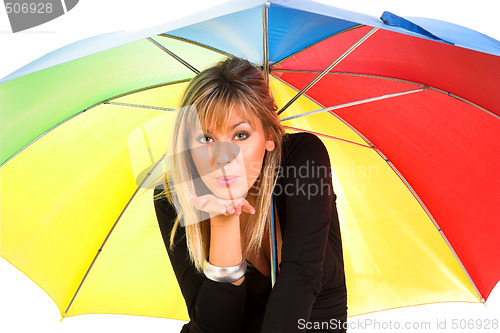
pixel 204 139
pixel 242 135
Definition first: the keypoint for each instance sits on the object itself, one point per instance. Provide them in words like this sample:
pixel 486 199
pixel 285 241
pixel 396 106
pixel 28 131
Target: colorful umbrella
pixel 408 111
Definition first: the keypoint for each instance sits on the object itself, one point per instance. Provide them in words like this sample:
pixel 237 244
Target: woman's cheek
pixel 253 172
pixel 255 167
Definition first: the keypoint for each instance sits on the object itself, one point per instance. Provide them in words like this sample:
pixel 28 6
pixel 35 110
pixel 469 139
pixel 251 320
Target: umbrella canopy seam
pixel 465 101
pixel 353 74
pixel 312 45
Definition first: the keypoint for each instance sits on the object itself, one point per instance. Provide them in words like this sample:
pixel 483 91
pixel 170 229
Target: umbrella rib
pixel 185 40
pixel 138 106
pixel 173 55
pixel 330 67
pixel 327 136
pixel 321 134
pixel 321 105
pixel 164 84
pixel 364 101
pixel 265 40
pixel 295 89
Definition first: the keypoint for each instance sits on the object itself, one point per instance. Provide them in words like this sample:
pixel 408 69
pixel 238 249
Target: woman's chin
pixel 230 193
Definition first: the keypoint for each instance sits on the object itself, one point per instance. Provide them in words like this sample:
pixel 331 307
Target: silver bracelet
pixel 226 274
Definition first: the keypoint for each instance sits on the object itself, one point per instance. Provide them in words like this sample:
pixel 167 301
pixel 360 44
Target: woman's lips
pixel 226 180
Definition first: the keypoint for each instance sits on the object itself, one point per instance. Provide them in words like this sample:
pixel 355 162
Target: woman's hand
pixel 216 206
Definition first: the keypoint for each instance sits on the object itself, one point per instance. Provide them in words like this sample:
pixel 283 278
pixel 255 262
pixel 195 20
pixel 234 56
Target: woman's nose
pixel 224 152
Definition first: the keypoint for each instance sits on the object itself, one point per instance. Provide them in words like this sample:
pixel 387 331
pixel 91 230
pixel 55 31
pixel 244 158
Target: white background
pixel 24 307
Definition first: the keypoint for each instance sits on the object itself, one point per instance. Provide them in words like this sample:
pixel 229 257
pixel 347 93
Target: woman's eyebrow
pixel 232 127
pixel 238 124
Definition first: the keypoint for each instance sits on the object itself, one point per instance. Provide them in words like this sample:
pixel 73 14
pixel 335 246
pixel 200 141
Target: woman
pixel 231 162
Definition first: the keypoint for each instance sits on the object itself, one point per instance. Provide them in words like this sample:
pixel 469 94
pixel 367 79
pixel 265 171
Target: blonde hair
pixel 212 94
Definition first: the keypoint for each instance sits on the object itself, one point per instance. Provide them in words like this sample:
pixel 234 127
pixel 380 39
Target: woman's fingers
pixel 248 209
pixel 244 206
pixel 211 204
pixel 228 210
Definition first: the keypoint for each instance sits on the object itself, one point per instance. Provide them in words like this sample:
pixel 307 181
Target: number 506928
pixel 27 7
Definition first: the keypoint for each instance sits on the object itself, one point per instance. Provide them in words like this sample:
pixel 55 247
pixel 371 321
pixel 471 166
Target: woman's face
pixel 230 161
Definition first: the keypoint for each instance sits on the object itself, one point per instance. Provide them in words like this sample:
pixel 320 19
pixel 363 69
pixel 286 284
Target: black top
pixel 310 287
